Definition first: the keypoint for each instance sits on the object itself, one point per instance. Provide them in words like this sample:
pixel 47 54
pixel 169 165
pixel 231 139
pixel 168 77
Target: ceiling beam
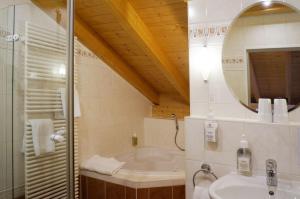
pixel 133 24
pixel 101 49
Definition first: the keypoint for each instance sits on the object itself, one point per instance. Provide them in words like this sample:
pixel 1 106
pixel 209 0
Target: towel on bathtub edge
pixel 103 165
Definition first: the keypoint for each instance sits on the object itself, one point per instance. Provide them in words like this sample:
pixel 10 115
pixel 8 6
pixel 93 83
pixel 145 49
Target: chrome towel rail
pixel 205 169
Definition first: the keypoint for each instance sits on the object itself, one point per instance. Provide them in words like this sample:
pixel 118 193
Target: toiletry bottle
pixel 244 159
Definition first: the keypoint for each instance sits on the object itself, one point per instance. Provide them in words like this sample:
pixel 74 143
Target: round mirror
pixel 261 54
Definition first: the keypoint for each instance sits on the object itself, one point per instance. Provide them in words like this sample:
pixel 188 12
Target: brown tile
pixel 142 193
pixel 179 192
pixel 130 193
pixel 20 197
pixel 114 191
pixel 161 193
pixel 83 187
pixel 95 188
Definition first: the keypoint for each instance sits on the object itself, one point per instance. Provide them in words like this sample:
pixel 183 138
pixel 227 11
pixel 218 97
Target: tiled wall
pixel 112 110
pixel 161 132
pixel 92 188
pixel 215 95
pixel 280 142
pixel 266 140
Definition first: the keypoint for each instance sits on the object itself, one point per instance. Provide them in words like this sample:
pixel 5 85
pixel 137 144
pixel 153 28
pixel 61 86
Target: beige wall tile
pixel 112 110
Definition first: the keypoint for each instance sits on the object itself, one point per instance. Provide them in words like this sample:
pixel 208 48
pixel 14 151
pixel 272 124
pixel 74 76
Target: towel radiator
pixel 45 72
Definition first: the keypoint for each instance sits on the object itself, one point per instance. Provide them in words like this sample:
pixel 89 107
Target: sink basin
pixel 234 186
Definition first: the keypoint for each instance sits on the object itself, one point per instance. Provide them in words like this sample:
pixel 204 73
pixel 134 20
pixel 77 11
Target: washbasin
pixel 234 186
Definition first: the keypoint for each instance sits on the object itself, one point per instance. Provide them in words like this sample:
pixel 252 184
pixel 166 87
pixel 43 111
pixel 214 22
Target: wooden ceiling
pixel 145 41
pixel 275 74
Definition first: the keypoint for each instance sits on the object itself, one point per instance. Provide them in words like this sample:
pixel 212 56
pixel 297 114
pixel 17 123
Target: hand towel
pixel 77 112
pixel 107 166
pixel 42 129
pixel 201 193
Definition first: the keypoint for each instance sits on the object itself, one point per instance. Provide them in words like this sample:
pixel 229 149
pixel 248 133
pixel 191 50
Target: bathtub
pixel 146 168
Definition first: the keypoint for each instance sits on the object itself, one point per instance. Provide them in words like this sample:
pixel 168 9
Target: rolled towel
pixel 107 166
pixel 201 193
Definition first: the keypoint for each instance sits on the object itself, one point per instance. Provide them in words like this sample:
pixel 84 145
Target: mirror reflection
pixel 261 55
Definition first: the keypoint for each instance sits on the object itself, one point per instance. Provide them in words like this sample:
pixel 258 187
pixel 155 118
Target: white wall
pixel 266 140
pixel 112 110
pixel 161 133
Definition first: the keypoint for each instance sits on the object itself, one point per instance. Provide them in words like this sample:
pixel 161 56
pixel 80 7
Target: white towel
pixel 63 96
pixel 108 166
pixel 42 129
pixel 200 193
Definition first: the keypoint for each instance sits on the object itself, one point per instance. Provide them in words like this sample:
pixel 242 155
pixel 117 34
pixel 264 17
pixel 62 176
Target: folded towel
pixel 42 129
pixel 200 193
pixel 108 166
pixel 63 96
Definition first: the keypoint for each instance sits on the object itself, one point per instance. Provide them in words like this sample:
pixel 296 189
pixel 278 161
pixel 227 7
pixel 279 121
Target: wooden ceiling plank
pixel 100 48
pixel 131 21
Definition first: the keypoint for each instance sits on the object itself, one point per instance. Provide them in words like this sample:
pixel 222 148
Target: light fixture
pixel 191 12
pixel 202 60
pixel 267 3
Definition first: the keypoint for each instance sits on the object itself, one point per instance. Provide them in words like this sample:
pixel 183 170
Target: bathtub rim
pixel 131 179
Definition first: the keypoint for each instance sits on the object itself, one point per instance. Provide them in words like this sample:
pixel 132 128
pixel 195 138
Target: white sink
pixel 234 186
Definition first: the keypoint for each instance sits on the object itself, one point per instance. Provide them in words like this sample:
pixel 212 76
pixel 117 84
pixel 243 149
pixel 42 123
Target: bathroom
pixel 150 99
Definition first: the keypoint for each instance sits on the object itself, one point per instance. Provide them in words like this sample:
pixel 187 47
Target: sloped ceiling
pixel 145 41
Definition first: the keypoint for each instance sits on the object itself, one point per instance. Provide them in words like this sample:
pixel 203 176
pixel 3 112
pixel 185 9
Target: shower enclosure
pixel 36 85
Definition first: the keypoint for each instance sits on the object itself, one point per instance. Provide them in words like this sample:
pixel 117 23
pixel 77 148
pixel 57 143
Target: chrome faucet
pixel 271 170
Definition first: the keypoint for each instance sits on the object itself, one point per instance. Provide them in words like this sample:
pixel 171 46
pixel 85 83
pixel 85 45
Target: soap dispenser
pixel 244 158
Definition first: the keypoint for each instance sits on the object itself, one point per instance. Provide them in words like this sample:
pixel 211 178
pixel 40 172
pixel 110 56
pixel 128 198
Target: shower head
pixel 176 120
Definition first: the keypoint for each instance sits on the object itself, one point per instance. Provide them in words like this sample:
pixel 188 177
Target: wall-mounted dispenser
pixel 134 140
pixel 211 131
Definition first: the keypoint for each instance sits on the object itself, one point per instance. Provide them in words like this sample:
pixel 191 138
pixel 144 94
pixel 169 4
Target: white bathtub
pixel 147 167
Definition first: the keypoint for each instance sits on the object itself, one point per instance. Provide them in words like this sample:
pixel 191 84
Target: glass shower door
pixel 6 99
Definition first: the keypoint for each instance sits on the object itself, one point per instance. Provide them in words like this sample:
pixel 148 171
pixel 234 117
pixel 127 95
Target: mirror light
pixel 191 12
pixel 202 60
pixel 267 3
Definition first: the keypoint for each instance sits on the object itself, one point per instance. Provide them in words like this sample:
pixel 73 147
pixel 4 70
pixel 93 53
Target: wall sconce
pixel 202 60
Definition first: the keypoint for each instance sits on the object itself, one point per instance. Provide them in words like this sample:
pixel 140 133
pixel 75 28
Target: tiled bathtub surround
pixel 279 142
pixel 92 188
